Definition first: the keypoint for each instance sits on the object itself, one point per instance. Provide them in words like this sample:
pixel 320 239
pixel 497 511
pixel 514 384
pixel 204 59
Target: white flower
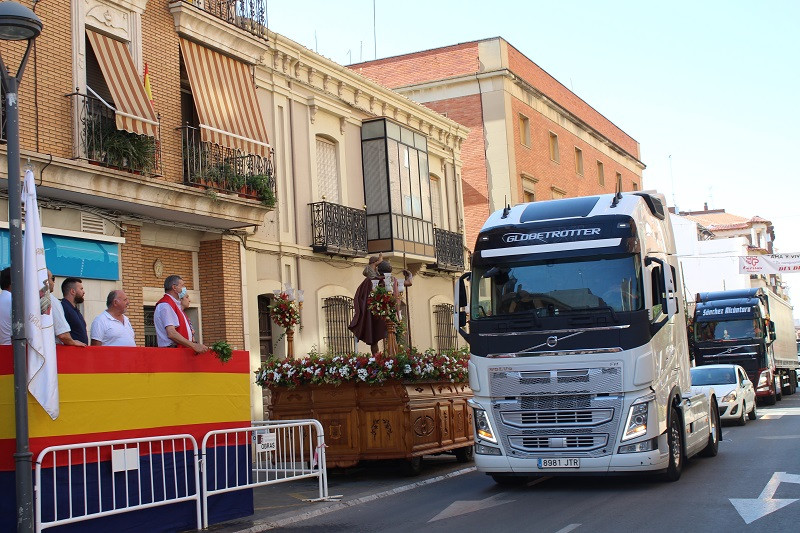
pixel 362 374
pixel 407 369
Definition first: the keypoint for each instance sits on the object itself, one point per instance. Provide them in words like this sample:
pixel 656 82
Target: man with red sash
pixel 172 326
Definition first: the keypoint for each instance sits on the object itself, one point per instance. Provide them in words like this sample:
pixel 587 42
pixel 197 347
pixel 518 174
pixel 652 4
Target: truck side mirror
pixel 461 302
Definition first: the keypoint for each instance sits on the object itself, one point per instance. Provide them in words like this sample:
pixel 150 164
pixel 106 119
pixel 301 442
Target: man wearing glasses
pixel 60 324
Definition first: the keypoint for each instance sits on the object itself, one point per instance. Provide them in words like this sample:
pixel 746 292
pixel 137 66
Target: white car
pixel 736 396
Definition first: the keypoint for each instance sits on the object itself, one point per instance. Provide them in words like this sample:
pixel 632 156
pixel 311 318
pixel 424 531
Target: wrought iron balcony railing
pixel 449 250
pixel 338 229
pixel 249 15
pixel 100 142
pixel 226 170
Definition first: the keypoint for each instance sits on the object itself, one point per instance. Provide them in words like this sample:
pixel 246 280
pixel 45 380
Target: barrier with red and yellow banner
pixel 110 393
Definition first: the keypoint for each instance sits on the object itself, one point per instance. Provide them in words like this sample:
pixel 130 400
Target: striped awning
pixel 134 112
pixel 226 102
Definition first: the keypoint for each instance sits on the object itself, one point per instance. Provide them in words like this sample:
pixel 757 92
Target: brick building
pixel 243 175
pixel 530 137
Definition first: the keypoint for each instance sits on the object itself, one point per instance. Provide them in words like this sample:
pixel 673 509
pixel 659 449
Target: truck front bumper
pixel 655 460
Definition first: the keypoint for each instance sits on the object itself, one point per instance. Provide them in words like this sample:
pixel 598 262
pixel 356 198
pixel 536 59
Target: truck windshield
pixel 727 330
pixel 551 287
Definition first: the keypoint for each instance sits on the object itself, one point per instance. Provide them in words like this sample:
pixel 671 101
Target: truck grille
pixel 558 443
pixel 541 412
pixel 589 417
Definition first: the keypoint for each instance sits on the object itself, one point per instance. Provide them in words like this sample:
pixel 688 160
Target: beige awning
pixel 226 102
pixel 134 112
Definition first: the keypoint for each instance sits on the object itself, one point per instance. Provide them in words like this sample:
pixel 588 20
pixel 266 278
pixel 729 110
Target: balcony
pixel 100 141
pixel 338 229
pixel 449 251
pixel 220 169
pixel 248 15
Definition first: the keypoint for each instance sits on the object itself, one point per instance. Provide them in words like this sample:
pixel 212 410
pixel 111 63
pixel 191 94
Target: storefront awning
pixel 226 102
pixel 133 110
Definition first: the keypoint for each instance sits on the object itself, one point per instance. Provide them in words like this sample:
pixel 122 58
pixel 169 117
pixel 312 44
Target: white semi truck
pixel 579 356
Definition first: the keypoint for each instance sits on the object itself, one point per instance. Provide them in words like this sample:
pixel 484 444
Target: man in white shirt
pixel 112 327
pixel 60 325
pixel 172 325
pixel 5 306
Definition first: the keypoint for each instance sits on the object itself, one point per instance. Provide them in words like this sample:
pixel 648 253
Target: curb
pixel 268 524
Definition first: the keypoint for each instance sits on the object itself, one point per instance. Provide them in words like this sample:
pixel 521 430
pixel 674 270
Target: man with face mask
pixel 60 325
pixel 172 326
pixel 72 289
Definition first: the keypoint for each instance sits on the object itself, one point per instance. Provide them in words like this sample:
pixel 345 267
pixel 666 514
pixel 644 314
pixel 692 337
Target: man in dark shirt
pixel 72 289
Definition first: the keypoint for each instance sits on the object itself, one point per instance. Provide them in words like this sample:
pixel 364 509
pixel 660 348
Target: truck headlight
pixel 763 380
pixel 730 397
pixel 636 424
pixel 483 427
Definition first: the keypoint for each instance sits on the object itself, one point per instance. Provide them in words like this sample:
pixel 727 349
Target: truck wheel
pixel 509 481
pixel 752 415
pixel 465 454
pixel 714 433
pixel 675 442
pixel 742 420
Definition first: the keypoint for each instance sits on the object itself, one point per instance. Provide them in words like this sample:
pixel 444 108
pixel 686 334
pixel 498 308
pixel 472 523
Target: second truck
pixel 753 328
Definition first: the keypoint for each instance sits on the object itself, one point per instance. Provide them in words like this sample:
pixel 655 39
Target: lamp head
pixel 18 23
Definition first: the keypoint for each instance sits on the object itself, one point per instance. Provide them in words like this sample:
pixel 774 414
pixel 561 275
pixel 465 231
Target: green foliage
pixel 262 186
pixel 222 350
pixel 118 148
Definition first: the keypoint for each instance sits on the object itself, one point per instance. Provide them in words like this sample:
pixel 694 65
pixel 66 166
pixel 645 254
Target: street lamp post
pixel 18 23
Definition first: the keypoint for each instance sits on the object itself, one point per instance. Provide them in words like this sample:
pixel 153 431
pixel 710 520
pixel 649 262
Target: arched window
pixel 338 311
pixel 445 332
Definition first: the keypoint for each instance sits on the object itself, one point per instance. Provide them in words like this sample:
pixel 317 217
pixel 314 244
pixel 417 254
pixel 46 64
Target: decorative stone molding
pixel 342 122
pixel 356 96
pixel 108 19
pixel 311 72
pixel 198 25
pixel 325 79
pixel 312 113
pixel 340 88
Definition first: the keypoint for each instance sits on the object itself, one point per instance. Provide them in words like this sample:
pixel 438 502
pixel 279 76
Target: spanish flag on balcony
pixel 146 81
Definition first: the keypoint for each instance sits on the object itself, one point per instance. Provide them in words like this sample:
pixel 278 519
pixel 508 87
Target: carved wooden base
pixel 389 421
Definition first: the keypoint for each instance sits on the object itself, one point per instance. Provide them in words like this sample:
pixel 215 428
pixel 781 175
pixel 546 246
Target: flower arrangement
pixel 222 350
pixel 284 311
pixel 382 303
pixel 409 366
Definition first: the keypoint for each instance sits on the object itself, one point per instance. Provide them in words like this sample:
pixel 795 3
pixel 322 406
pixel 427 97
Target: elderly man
pixel 112 327
pixel 172 325
pixel 73 293
pixel 60 325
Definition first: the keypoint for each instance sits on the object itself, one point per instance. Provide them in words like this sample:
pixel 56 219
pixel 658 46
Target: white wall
pixel 711 265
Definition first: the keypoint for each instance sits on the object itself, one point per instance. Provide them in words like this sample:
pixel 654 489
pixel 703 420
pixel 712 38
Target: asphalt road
pixel 753 485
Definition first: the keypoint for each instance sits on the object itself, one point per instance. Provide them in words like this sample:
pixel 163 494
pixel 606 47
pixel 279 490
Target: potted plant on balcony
pixel 261 184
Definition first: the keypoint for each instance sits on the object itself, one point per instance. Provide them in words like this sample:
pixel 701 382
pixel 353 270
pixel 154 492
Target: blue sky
pixel 712 84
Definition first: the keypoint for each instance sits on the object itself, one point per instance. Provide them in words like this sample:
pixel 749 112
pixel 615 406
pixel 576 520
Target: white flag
pixel 42 364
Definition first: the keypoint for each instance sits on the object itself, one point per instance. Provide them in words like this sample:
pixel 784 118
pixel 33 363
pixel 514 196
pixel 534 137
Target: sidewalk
pixel 282 504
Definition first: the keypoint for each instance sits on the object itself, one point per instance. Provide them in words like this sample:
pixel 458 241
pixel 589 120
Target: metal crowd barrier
pixel 96 479
pixel 266 453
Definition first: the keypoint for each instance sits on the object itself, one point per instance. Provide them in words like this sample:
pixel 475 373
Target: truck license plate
pixel 561 462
